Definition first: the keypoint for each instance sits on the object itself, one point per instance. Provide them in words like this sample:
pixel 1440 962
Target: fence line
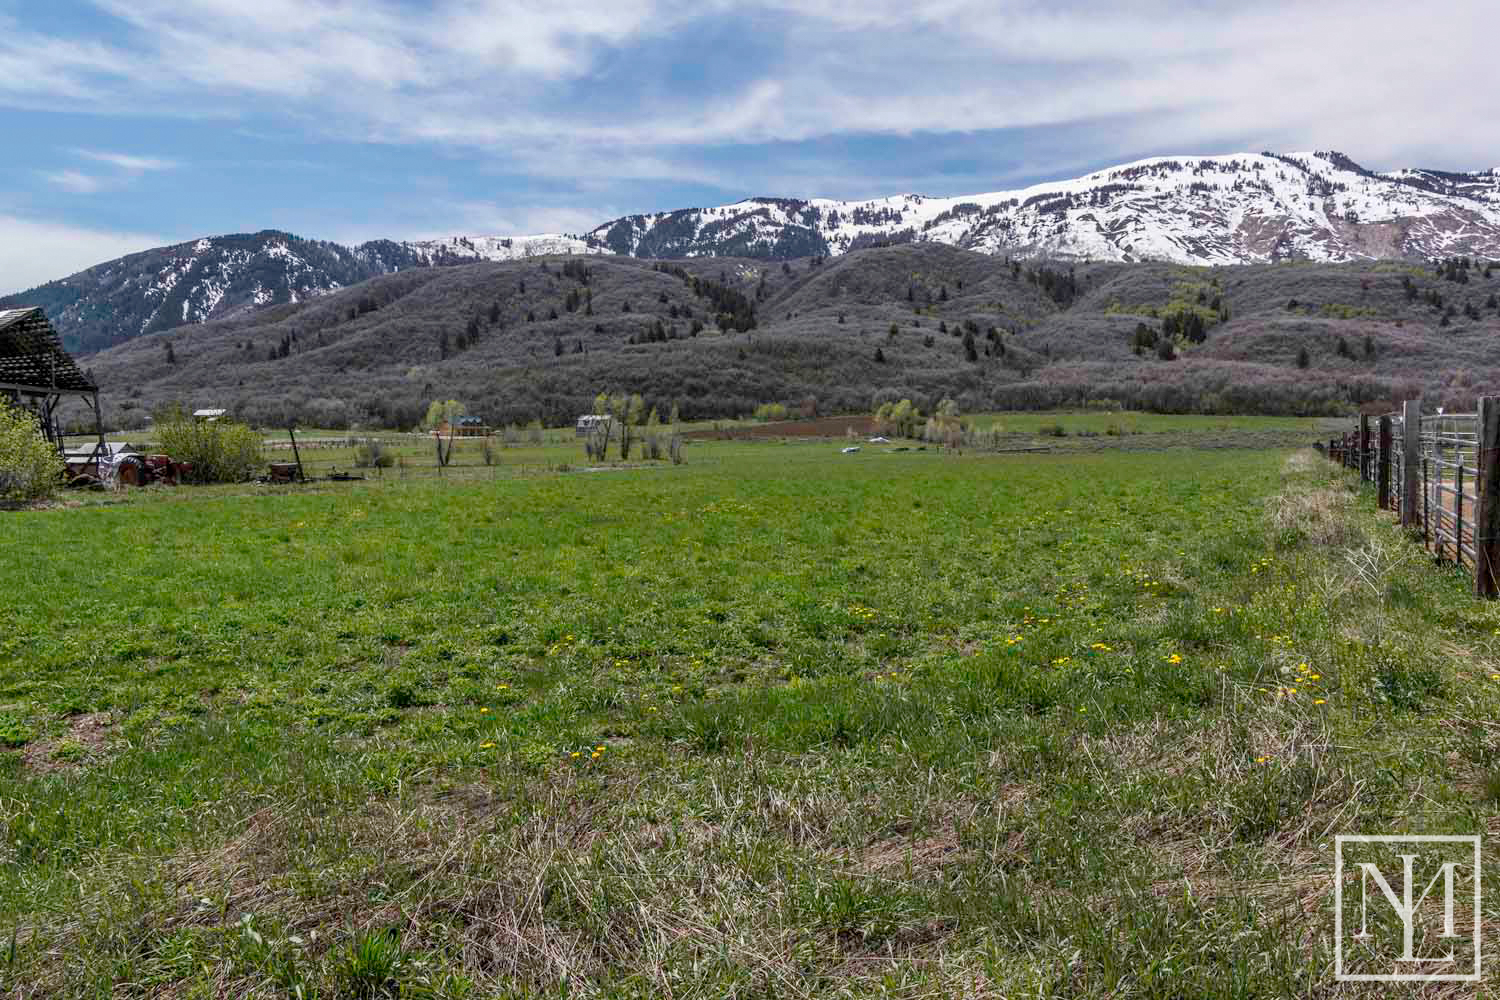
pixel 1440 475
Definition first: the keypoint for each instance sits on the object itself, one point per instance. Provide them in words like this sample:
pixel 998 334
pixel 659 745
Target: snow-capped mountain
pixel 1233 209
pixel 222 276
pixel 1239 208
pixel 210 278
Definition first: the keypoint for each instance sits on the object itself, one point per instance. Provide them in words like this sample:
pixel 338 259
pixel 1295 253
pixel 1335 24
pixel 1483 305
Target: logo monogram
pixel 1444 853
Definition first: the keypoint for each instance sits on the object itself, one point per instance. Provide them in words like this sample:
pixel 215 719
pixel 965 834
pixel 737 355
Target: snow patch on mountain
pixel 1236 208
pixel 500 248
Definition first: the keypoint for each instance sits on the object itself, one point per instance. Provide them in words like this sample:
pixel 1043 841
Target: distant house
pixel 208 416
pixel 465 427
pixel 589 421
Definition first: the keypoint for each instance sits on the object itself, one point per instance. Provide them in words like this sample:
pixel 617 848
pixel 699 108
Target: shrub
pixel 30 468
pixel 372 455
pixel 219 452
pixel 770 411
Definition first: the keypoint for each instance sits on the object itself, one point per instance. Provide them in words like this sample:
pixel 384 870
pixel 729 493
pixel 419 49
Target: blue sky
pixel 133 123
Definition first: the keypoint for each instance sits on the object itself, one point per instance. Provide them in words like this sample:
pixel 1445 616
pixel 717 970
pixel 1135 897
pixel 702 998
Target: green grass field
pixel 777 722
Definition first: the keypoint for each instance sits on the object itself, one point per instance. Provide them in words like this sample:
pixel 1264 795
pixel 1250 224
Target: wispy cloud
pixel 74 181
pixel 127 162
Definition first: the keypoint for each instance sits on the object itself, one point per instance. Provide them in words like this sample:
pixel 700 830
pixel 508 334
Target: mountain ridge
pixel 1238 208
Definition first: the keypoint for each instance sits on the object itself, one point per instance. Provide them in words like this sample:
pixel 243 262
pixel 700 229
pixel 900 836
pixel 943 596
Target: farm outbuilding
pixel 37 375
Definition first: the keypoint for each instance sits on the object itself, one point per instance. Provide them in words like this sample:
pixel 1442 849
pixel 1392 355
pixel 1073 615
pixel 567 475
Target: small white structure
pixel 208 416
pixel 589 421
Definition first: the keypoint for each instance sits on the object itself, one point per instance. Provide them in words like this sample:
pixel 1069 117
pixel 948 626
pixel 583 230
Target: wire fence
pixel 1430 472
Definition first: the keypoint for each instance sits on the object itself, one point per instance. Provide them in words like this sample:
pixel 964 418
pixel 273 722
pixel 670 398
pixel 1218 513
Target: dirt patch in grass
pixel 85 741
pixel 899 854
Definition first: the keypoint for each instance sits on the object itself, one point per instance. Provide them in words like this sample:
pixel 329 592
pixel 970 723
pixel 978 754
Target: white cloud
pixel 1367 76
pixel 33 252
pixel 74 181
pixel 128 162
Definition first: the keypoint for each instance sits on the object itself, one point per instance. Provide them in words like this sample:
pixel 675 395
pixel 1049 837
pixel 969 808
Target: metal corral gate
pixel 1441 475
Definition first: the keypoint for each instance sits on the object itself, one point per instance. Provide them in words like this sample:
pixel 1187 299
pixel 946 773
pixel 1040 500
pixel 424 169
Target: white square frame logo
pixel 1474 841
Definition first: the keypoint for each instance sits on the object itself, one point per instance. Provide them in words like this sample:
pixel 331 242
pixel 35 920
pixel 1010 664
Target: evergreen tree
pixel 1164 350
pixel 879 356
pixel 171 354
pixel 494 313
pixel 1369 348
pixel 1343 348
pixel 443 345
pixel 1302 359
pixel 557 347
pixel 970 351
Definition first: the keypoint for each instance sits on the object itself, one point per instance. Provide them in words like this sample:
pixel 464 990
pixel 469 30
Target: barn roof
pixel 32 356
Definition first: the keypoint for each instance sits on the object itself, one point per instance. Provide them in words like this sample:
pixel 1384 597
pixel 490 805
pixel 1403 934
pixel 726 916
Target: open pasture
pixel 777 723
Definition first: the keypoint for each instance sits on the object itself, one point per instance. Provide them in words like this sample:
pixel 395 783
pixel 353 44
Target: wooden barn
pixel 37 375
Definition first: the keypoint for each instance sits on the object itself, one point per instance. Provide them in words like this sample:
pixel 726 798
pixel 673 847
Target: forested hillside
pixel 716 337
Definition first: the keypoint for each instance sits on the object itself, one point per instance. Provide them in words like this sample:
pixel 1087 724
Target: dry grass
pixel 1314 506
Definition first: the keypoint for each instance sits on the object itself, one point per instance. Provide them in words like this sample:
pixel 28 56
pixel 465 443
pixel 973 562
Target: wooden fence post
pixel 1364 446
pixel 1383 465
pixel 1411 450
pixel 1487 492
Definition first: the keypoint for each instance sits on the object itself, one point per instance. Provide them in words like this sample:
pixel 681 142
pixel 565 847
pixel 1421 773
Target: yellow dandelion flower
pixel 487 745
pixel 1320 701
pixel 594 755
pixel 1175 658
pixel 484 710
pixel 575 755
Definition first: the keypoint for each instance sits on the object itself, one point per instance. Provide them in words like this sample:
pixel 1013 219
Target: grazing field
pixel 774 723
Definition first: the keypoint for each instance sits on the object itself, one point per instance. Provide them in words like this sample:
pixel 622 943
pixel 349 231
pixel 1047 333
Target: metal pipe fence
pixel 1430 472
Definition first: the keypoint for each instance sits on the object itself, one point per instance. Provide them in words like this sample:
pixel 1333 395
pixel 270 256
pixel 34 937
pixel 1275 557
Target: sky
pixel 128 124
